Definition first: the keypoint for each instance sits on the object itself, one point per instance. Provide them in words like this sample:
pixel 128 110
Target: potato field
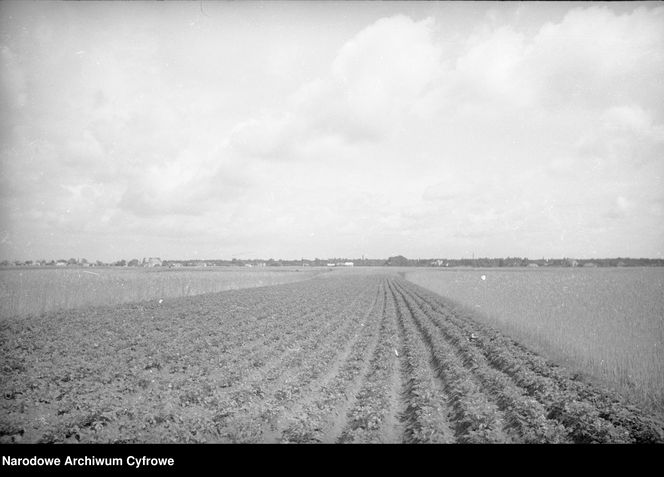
pixel 355 358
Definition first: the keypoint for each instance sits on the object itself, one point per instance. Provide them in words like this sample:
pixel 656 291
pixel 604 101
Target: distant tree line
pixel 396 261
pixel 524 262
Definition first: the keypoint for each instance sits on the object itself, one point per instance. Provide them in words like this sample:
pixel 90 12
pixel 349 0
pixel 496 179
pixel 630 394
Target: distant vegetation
pixel 398 261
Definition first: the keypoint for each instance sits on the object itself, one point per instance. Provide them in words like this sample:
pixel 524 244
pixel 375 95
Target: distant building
pixel 533 265
pixel 152 262
pixel 175 265
pixel 348 264
pixel 331 265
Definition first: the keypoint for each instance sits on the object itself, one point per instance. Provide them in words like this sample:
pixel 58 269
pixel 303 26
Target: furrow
pixel 475 419
pixel 394 426
pixel 373 416
pixel 426 414
pixel 588 414
pixel 286 383
pixel 523 414
pixel 315 416
pixel 235 413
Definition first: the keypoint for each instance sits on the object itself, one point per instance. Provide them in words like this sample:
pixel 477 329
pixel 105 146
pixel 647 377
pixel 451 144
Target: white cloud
pixel 374 81
pixel 385 68
pixel 623 135
pixel 269 136
pixel 397 132
pixel 14 93
pixel 80 150
pixel 492 69
pixel 595 56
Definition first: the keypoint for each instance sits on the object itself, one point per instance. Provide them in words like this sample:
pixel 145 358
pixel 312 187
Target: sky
pixel 331 129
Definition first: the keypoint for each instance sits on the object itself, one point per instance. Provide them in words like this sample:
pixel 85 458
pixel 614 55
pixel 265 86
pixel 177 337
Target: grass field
pixel 608 323
pixel 343 358
pixel 25 291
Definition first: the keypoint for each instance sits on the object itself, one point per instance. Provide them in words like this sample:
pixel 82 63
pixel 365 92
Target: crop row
pixel 511 371
pixel 287 382
pixel 155 372
pixel 373 415
pixel 425 415
pixel 269 384
pixel 463 362
pixel 475 418
pixel 319 416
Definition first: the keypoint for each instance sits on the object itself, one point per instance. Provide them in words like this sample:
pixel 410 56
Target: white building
pixel 152 262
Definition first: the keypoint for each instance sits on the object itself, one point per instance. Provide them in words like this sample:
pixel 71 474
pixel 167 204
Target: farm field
pixel 605 322
pixel 25 291
pixel 346 358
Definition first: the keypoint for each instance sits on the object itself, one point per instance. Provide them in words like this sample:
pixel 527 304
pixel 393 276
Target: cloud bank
pixel 513 135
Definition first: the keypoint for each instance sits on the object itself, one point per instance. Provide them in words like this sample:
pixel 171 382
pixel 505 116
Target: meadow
pixel 26 291
pixel 607 323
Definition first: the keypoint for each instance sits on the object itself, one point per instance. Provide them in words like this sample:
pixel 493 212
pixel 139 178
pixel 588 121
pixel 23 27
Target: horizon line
pixel 331 259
